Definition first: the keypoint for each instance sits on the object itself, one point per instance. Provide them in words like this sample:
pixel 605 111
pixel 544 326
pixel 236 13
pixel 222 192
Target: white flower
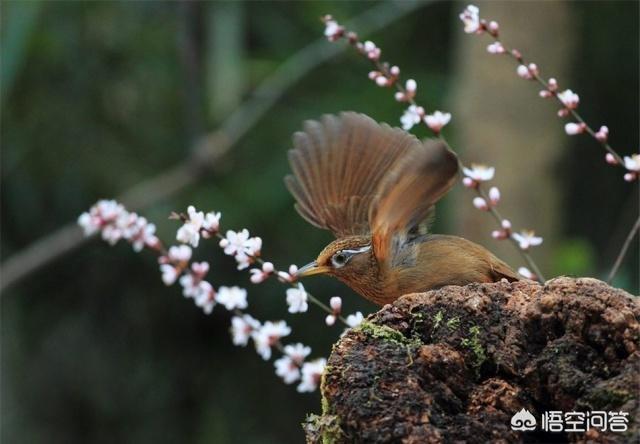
pixel 311 374
pixel 297 299
pixel 506 224
pixel 371 50
pixel 330 320
pixel 242 328
pixel 471 19
pixel 235 242
pixel 412 115
pixel 524 72
pixel 569 99
pixel 603 134
pixel 494 195
pixel 574 128
pixel 169 274
pixel 332 30
pixel 632 163
pixel 268 335
pixel 205 298
pixel 188 234
pixel 495 48
pixel 200 269
pixel 211 223
pixel 180 253
pixel 288 366
pixel 353 320
pixel 193 287
pixel 89 224
pixel 552 84
pixel 526 239
pixel 533 69
pixel 526 273
pixel 479 173
pixel 480 203
pixel 336 304
pixel 141 233
pixel 231 298
pixel 437 120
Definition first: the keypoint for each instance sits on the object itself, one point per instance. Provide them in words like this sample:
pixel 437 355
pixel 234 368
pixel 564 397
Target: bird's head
pixel 343 258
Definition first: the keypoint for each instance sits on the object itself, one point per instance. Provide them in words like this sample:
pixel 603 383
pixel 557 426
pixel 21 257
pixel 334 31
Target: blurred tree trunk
pixel 502 122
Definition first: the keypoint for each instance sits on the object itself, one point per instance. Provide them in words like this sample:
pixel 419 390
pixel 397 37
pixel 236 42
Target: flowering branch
pixel 386 75
pixel 568 100
pixel 114 223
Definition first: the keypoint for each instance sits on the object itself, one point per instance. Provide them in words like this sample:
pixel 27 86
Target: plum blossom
pixel 494 196
pixel 526 273
pixel 371 50
pixel 205 299
pixel 241 329
pixel 574 128
pixel 526 239
pixel 479 173
pixel 632 163
pixel 259 275
pixel 552 84
pixel 330 320
pixel 241 246
pixel 332 31
pixel 232 297
pixel 211 224
pixel 524 72
pixel 496 48
pixel 353 320
pixel 569 99
pixel 471 19
pixel 480 203
pixel 336 304
pixel 169 274
pixel 290 276
pixel 288 366
pixel 603 134
pixel 437 120
pixel 268 335
pixel 189 232
pixel 412 116
pixel 311 374
pixel 200 269
pixel 180 253
pixel 297 299
pixel 409 93
pixel 610 159
pixel 503 233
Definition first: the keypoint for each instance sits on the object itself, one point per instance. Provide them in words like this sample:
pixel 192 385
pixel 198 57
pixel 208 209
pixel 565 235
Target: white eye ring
pixel 339 259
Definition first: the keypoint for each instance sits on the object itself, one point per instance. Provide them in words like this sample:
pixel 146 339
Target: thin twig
pixel 623 250
pixel 210 149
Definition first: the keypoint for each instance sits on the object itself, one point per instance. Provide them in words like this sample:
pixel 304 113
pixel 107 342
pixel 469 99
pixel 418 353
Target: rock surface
pixel 455 364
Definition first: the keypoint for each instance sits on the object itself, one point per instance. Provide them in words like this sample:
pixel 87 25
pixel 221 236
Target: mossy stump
pixel 455 364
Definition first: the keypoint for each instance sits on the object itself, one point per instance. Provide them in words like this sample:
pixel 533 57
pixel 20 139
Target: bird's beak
pixel 311 269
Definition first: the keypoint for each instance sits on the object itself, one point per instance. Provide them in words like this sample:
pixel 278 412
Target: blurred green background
pixel 98 97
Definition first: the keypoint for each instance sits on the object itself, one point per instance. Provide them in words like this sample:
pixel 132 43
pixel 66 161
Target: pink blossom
pixel 437 120
pixel 371 50
pixel 524 72
pixel 330 320
pixel 211 224
pixel 412 115
pixel 297 299
pixel 552 84
pixel 603 134
pixel 169 274
pixel 242 329
pixel 480 203
pixel 353 320
pixel 180 253
pixel 610 159
pixel 232 297
pixel 288 366
pixel 496 48
pixel 479 173
pixel 526 239
pixel 494 195
pixel 471 19
pixel 189 233
pixel 332 31
pixel 409 91
pixel 569 99
pixel 311 374
pixel 268 335
pixel 526 273
pixel 574 128
pixel 336 304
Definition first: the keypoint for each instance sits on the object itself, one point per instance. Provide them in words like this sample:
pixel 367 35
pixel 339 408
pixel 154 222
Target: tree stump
pixel 456 364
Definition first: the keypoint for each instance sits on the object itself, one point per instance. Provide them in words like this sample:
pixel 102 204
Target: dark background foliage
pixel 99 96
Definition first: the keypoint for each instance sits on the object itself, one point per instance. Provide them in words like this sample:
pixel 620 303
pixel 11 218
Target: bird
pixel 375 188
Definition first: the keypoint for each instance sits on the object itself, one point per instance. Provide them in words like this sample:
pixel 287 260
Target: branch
pixel 210 149
pixel 623 250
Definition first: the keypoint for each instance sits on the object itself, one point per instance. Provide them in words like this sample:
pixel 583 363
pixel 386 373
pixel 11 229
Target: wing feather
pixel 338 164
pixel 407 195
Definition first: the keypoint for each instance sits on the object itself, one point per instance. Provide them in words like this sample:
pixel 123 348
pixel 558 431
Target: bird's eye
pixel 339 259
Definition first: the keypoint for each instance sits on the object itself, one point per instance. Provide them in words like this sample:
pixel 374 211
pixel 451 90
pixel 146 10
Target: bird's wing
pixel 338 164
pixel 407 194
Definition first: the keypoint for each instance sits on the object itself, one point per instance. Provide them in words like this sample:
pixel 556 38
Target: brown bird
pixel 374 187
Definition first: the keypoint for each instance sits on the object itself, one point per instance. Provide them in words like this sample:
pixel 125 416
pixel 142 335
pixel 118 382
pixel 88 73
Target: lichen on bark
pixel 456 363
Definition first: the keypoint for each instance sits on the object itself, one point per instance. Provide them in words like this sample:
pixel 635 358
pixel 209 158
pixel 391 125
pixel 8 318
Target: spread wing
pixel 338 164
pixel 407 194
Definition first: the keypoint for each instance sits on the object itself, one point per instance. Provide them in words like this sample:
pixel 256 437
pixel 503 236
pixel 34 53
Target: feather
pixel 407 195
pixel 338 164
